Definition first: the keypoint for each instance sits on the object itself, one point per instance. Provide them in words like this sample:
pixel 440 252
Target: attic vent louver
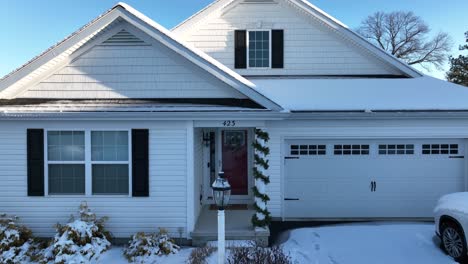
pixel 124 38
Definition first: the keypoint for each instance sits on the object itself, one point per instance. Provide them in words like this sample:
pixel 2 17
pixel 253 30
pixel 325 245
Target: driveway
pixel 365 243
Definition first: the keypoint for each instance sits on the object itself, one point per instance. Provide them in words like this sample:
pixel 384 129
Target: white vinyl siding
pixel 279 131
pixel 310 48
pixel 149 70
pixel 166 207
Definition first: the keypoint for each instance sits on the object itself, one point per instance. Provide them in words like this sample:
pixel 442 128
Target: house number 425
pixel 229 123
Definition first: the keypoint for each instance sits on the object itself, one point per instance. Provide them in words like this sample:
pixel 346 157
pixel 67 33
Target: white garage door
pixel 370 178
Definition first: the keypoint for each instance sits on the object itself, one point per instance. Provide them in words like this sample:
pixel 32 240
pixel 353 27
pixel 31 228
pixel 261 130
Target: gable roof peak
pixel 316 13
pixel 122 5
pixel 121 10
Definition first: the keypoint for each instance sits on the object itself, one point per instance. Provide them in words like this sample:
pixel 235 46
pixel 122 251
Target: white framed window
pixel 66 162
pixel 110 162
pixel 88 162
pixel 259 49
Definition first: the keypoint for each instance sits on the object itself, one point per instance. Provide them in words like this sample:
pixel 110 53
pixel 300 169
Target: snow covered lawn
pixel 370 243
pixel 115 256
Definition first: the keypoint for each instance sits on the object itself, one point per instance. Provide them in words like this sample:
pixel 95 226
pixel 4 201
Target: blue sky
pixel 31 26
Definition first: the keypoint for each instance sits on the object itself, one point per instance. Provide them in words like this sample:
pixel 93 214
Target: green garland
pixel 261 148
pixel 261 223
pixel 262 135
pixel 264 197
pixel 261 162
pixel 258 175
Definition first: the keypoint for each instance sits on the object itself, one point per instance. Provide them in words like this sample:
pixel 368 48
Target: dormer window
pixel 259 49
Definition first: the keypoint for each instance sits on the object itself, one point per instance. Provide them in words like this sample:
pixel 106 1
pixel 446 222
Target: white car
pixel 451 222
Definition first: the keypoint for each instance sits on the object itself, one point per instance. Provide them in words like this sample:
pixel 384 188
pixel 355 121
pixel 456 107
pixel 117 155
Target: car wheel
pixel 453 241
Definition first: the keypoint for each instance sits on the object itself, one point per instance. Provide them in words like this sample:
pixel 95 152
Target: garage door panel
pixel 327 209
pixel 410 176
pixel 411 187
pixel 320 185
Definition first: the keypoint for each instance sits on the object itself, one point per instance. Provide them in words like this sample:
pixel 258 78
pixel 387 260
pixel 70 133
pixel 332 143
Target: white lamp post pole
pixel 221 237
pixel 221 194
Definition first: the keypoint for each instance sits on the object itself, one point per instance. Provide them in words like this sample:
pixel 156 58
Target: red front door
pixel 235 160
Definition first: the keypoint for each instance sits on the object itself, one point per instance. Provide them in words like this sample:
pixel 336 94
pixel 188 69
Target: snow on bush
pixel 16 243
pixel 80 241
pixel 145 246
pixel 258 255
pixel 200 255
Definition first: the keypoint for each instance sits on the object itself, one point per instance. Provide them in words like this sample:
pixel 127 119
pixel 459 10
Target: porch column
pixel 259 183
pixel 190 198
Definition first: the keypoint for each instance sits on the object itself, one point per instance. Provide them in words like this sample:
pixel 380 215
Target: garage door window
pixel 312 150
pixel 401 149
pixel 440 149
pixel 355 150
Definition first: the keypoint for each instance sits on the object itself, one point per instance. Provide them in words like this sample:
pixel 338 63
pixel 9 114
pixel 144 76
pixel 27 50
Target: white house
pixel 138 120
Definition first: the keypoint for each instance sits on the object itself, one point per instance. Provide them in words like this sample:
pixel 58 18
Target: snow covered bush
pixel 200 255
pixel 80 241
pixel 258 255
pixel 16 242
pixel 144 246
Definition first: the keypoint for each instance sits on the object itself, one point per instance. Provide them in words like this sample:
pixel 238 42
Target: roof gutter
pixel 382 114
pixel 237 115
pixel 241 115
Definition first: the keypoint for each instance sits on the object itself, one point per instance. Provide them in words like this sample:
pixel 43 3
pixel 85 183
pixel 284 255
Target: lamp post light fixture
pixel 221 194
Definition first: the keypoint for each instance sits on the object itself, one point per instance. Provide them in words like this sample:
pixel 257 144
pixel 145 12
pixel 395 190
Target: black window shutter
pixel 140 163
pixel 35 156
pixel 240 56
pixel 277 47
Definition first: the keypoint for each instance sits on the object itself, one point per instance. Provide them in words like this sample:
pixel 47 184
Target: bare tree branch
pixel 406 36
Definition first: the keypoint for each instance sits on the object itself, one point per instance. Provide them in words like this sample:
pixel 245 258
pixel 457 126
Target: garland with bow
pixel 261 164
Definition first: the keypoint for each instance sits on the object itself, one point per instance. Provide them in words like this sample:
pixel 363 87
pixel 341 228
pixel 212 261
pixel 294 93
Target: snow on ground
pixel 367 243
pixel 373 243
pixel 115 256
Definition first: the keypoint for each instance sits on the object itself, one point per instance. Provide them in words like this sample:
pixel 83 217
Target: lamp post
pixel 221 194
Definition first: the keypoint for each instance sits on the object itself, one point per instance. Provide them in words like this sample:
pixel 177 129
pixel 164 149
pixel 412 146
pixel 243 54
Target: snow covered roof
pixel 405 94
